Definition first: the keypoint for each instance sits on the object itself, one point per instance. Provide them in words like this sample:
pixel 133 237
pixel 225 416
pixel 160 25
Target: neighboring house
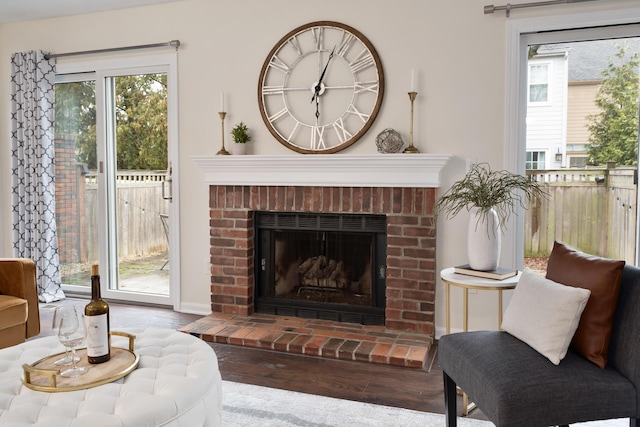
pixel 563 84
pixel 547 107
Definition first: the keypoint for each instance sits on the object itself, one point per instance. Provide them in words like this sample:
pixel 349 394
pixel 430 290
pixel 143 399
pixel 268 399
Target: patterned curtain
pixel 32 167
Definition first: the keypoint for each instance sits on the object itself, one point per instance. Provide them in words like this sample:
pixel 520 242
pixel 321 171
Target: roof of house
pixel 587 60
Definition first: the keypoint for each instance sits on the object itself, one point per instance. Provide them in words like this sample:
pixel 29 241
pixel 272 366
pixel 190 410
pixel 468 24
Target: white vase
pixel 238 149
pixel 483 240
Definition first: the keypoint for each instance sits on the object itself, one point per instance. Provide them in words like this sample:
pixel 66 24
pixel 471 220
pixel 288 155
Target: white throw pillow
pixel 545 314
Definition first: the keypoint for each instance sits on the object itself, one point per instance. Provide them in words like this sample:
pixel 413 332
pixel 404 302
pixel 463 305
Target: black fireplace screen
pixel 325 266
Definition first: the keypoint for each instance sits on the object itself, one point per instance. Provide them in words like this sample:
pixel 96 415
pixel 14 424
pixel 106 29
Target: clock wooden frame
pixel 293 85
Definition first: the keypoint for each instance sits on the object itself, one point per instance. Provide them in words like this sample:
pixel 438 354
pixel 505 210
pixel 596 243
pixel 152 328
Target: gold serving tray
pixel 44 375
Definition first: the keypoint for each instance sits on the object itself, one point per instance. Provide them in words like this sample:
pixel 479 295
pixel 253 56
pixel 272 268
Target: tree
pixel 141 114
pixel 75 115
pixel 614 130
pixel 141 120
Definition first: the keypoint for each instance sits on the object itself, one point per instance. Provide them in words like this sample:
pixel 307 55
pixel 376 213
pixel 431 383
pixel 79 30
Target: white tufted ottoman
pixel 177 383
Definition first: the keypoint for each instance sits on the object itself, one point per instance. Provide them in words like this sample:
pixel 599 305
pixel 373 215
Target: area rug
pixel 250 406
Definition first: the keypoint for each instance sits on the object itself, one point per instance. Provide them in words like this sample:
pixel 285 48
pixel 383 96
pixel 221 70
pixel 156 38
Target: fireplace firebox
pixel 321 266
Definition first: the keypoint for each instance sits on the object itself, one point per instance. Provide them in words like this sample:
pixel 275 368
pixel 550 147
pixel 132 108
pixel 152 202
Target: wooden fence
pixel 139 204
pixel 591 209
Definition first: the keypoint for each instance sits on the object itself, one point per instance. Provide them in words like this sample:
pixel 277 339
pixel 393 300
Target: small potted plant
pixel 240 134
pixel 491 197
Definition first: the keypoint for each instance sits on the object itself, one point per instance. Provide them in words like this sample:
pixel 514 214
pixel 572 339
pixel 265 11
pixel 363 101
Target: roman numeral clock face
pixel 320 88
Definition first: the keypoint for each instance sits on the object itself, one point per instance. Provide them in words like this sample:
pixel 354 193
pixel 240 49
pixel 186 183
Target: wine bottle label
pixel 97 335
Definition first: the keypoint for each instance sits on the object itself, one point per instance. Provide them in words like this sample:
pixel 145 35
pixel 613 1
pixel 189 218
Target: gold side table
pixel 451 278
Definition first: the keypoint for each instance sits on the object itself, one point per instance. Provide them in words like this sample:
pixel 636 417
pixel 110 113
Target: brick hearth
pixel 344 341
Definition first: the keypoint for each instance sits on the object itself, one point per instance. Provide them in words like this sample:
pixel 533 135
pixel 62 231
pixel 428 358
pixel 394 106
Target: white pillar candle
pixel 413 80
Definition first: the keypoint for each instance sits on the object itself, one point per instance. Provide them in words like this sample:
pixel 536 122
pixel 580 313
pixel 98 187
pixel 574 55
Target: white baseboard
pixel 440 331
pixel 190 308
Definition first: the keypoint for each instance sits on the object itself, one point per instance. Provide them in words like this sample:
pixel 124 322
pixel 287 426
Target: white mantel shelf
pixel 325 170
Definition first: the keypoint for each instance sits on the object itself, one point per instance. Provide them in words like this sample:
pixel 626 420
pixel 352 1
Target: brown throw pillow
pixel 602 277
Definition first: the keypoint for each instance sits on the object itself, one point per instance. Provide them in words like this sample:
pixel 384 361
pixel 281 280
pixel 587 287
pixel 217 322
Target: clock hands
pixel 316 91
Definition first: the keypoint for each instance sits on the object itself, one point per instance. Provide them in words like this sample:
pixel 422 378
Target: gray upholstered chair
pixel 515 386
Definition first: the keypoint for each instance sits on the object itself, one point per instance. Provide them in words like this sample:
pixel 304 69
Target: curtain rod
pixel 491 8
pixel 172 43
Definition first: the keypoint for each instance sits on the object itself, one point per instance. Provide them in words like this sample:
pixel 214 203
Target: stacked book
pixel 499 273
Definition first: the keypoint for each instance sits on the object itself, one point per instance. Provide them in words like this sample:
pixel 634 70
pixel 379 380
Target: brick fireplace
pixel 401 187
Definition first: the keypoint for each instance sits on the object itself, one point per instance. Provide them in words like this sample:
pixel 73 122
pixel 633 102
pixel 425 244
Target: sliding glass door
pixel 581 92
pixel 135 169
pixel 114 192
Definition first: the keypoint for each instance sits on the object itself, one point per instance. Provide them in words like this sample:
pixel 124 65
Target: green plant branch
pixel 485 189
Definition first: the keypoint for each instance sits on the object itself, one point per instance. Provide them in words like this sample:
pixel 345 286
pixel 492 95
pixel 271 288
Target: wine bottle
pixel 96 315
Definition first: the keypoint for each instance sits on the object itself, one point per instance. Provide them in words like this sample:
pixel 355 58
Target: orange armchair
pixel 19 312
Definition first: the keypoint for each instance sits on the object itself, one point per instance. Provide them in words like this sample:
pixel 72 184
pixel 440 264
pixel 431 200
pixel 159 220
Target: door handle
pixel 168 181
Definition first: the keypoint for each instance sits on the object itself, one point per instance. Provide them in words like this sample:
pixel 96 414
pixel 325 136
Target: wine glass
pixel 55 325
pixel 71 332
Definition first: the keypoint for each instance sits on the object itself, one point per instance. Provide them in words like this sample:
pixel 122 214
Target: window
pixel 538 83
pixel 76 183
pixel 579 148
pixel 535 160
pixel 601 114
pixel 577 162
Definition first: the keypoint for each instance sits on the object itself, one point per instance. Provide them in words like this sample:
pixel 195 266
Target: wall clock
pixel 320 87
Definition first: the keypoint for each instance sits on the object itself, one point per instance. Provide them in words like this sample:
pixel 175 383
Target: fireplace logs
pixel 319 272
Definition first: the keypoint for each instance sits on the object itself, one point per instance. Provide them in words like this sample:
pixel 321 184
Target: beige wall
pixel 582 104
pixel 458 52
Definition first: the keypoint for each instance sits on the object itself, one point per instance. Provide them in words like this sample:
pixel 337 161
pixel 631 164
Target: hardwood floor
pixel 410 388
